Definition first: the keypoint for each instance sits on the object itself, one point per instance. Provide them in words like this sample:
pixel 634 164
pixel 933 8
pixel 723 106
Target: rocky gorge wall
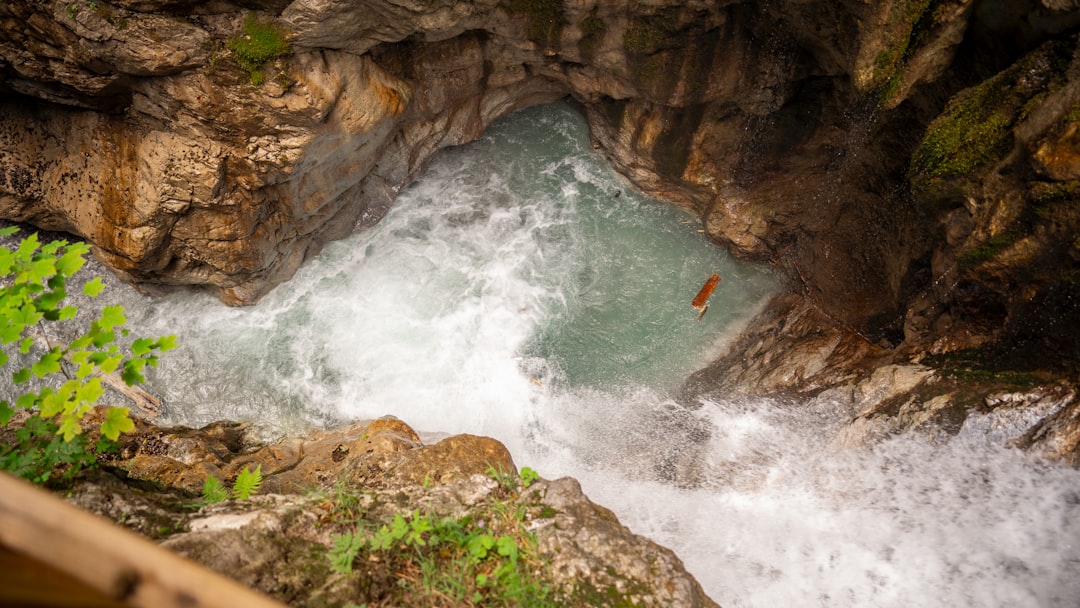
pixel 909 165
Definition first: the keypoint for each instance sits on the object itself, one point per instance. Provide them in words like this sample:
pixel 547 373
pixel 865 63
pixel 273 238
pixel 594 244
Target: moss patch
pixel 909 21
pixel 975 129
pixel 258 42
pixel 663 56
pixel 614 110
pixel 985 366
pixel 1056 201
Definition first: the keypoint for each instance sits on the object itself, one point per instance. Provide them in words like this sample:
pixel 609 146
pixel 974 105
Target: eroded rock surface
pixel 354 480
pixel 786 126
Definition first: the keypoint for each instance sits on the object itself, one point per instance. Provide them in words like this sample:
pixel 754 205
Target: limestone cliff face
pixel 788 127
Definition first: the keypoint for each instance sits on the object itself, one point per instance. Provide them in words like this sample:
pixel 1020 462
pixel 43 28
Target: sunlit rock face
pixel 788 127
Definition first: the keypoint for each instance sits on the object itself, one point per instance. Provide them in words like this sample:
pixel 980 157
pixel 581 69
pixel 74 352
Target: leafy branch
pixel 33 292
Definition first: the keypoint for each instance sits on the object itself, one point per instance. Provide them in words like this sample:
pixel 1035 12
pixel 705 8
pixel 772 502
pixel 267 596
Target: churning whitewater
pixel 521 290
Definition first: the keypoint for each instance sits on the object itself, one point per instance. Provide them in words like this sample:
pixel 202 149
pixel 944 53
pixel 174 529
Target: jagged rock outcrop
pixel 786 126
pixel 356 479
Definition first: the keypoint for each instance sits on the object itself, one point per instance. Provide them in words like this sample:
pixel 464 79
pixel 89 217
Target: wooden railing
pixel 55 554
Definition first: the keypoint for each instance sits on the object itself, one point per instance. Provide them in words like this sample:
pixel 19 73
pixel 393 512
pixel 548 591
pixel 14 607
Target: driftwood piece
pixel 124 567
pixel 149 404
pixel 702 297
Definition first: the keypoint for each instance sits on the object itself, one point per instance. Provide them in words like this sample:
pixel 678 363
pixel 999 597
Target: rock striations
pixel 791 128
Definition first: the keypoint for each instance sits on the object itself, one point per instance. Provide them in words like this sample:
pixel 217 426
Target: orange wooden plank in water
pixel 706 290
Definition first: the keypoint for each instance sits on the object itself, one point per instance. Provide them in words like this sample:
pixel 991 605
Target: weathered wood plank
pixel 118 563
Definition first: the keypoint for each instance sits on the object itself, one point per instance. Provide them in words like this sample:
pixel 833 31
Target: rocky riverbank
pixel 548 542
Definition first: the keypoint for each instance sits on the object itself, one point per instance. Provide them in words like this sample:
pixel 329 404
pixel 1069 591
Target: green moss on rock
pixel 909 22
pixel 975 130
pixel 258 42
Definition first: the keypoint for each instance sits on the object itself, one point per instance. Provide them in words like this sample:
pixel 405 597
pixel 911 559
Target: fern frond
pixel 213 490
pixel 247 483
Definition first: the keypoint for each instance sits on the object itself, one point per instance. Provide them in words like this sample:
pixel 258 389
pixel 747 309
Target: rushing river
pixel 521 290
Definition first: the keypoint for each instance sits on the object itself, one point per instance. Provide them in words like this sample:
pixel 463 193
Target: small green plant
pixel 346 547
pixel 484 559
pixel 39 455
pixel 528 476
pixel 504 478
pixel 256 43
pixel 246 485
pixel 33 292
pixel 508 480
pixel 213 491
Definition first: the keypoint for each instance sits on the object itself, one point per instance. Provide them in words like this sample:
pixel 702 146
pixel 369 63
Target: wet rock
pixel 586 544
pixel 1056 435
pixel 453 458
pixel 279 541
pixel 790 348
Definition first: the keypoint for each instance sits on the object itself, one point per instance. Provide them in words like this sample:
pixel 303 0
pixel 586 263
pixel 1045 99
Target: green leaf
pixel 48 364
pixel 132 373
pixel 52 402
pixel 528 476
pixel 27 247
pixel 51 299
pixel 112 316
pixel 26 401
pixel 21 376
pixel 69 428
pixel 399 527
pixel 507 547
pixel 89 392
pixel 25 345
pixel 166 343
pixel 107 364
pixel 247 483
pixel 346 547
pixel 67 313
pixel 72 260
pixel 84 370
pixel 419 526
pixel 116 421
pixel 3 358
pixel 52 247
pixel 479 545
pixel 93 287
pixel 101 337
pixel 10 230
pixel 6 411
pixel 213 490
pixel 141 346
pixel 26 315
pixel 41 269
